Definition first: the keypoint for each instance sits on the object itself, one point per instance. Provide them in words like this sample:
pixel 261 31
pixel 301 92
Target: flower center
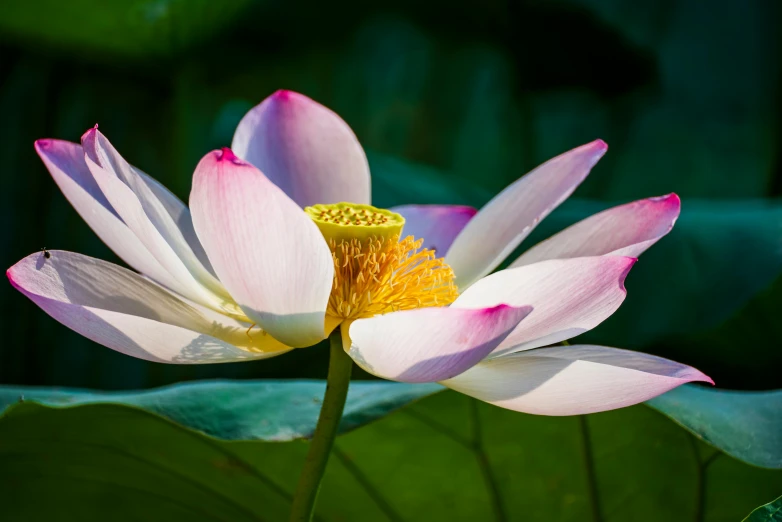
pixel 374 271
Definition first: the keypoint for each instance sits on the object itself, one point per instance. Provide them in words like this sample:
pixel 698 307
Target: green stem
pixel 340 365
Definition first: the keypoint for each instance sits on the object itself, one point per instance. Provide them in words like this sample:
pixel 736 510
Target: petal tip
pixel 672 198
pixel 42 144
pixel 14 280
pixel 283 95
pixel 600 145
pixel 89 133
pixel 466 210
pixel 629 264
pixel 226 154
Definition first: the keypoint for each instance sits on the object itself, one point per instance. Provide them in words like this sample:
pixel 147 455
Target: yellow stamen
pixel 374 272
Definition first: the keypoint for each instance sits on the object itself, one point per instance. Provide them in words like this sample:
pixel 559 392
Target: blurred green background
pixel 452 101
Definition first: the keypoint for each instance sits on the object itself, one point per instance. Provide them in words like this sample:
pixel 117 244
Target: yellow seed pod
pixel 348 221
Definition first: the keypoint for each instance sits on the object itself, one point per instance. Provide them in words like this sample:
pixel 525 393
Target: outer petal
pixel 507 219
pixel 438 225
pixel 152 220
pixel 65 162
pixel 626 230
pixel 569 296
pixel 305 149
pixel 267 252
pixel 122 310
pixel 572 380
pixel 430 344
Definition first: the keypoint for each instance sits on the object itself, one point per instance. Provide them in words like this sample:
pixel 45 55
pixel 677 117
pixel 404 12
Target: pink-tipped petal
pixel 126 312
pixel 266 251
pixel 430 344
pixel 569 297
pixel 506 220
pixel 152 220
pixel 437 225
pixel 305 149
pixel 65 162
pixel 626 230
pixel 572 380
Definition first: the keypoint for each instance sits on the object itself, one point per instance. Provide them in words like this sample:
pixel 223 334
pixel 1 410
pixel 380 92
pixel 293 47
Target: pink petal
pixel 506 220
pixel 266 251
pixel 626 230
pixel 126 312
pixel 305 149
pixel 149 218
pixel 65 162
pixel 430 344
pixel 438 225
pixel 569 297
pixel 572 380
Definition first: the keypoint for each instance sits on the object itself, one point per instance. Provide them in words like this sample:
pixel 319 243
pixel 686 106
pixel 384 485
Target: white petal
pixel 626 230
pixel 569 297
pixel 151 220
pixel 506 220
pixel 430 344
pixel 65 162
pixel 437 225
pixel 120 309
pixel 266 251
pixel 572 380
pixel 305 149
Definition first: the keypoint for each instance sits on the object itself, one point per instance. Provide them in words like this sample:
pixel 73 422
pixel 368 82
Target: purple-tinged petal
pixel 305 149
pixel 572 380
pixel 626 230
pixel 438 225
pixel 267 252
pixel 430 344
pixel 138 205
pixel 126 312
pixel 65 162
pixel 569 297
pixel 506 220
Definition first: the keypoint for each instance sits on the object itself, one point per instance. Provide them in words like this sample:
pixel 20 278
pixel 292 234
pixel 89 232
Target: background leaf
pixel 448 456
pixel 135 28
pixel 240 410
pixel 745 425
pixel 771 512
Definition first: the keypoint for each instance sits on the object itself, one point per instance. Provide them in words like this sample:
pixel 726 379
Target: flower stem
pixel 340 365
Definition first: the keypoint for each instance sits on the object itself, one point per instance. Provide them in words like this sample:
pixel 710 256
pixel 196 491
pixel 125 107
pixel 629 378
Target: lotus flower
pixel 281 246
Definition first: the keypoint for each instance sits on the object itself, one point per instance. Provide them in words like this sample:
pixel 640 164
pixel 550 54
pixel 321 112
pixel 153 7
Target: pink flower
pixel 246 273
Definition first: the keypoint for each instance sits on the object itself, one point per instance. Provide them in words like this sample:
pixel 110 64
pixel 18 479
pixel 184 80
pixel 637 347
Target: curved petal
pixel 507 219
pixel 120 309
pixel 430 344
pixel 626 230
pixel 305 149
pixel 65 162
pixel 151 220
pixel 569 297
pixel 181 217
pixel 572 380
pixel 438 225
pixel 267 252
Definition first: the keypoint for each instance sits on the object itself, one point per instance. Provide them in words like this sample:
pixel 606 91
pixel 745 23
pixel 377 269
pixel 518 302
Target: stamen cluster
pixel 383 274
